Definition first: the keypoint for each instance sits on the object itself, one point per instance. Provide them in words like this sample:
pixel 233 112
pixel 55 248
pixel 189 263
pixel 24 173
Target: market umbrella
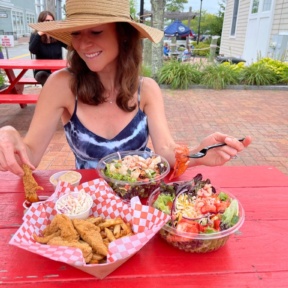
pixel 177 28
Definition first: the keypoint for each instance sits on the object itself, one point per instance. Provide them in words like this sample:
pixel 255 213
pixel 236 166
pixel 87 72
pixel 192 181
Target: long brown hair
pixel 86 83
pixel 42 18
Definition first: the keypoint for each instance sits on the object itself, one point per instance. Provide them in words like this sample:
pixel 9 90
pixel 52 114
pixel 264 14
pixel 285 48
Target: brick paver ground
pixel 193 114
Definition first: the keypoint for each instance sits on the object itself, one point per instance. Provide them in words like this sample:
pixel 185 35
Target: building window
pixel 267 5
pixel 255 7
pixel 234 17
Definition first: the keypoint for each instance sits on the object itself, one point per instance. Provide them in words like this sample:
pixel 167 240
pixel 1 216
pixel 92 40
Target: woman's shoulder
pixel 61 75
pixel 149 85
pixel 150 90
pixel 59 79
pixel 57 89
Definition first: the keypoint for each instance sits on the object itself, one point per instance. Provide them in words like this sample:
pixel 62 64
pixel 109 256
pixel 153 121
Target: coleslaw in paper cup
pixel 146 221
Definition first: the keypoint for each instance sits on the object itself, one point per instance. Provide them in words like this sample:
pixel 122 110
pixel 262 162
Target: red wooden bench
pixel 27 80
pixel 18 98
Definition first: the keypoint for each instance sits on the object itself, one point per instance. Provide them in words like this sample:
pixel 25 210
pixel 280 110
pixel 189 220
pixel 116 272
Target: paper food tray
pixel 146 222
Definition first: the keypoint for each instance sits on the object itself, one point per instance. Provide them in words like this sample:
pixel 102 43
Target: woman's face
pixel 48 18
pixel 97 46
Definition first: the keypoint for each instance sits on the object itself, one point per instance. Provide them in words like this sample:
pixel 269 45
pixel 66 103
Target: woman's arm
pixel 35 43
pixel 153 107
pixel 163 142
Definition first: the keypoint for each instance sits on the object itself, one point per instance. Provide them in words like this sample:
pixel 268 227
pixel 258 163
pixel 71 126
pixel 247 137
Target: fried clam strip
pixel 90 234
pixel 83 246
pixel 97 259
pixel 95 220
pixel 30 185
pixel 64 224
pixel 46 239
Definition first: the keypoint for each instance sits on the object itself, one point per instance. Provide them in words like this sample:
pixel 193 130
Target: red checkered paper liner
pixel 146 222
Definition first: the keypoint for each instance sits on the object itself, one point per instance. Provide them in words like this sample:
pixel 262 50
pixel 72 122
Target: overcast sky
pixel 211 6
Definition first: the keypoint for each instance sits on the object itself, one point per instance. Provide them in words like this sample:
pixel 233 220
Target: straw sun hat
pixel 83 14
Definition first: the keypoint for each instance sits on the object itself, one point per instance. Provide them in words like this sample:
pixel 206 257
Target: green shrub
pixel 146 71
pixel 258 73
pixel 2 79
pixel 279 67
pixel 179 75
pixel 204 49
pixel 218 76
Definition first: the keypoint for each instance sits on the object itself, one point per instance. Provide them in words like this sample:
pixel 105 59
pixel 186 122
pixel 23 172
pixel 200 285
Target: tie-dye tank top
pixel 89 148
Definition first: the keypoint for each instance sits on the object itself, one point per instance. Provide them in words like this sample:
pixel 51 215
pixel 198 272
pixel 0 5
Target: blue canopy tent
pixel 177 28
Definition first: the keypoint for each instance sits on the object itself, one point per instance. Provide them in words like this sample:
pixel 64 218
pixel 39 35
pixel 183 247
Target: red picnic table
pixel 13 93
pixel 257 256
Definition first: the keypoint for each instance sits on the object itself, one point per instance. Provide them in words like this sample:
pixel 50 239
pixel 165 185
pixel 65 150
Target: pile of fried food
pixel 30 185
pixel 92 235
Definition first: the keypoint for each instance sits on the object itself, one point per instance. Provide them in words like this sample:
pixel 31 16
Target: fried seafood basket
pixel 144 220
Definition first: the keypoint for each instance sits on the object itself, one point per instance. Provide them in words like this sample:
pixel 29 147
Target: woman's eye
pixel 96 32
pixel 73 34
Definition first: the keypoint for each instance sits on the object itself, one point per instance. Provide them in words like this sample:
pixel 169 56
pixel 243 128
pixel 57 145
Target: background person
pixel 166 51
pixel 104 104
pixel 45 47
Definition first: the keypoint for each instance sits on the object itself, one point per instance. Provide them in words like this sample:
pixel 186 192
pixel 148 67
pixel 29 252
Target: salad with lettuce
pixel 196 207
pixel 133 168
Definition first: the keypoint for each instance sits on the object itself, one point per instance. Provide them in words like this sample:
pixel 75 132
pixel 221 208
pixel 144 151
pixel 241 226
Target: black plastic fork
pixel 204 151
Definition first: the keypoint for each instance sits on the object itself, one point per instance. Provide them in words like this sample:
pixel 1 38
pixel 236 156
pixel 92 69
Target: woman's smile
pixel 92 55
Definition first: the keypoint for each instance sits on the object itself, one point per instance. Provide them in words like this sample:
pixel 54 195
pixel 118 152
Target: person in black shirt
pixel 44 47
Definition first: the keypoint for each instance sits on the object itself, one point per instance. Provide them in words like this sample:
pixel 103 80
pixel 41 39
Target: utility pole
pixel 198 36
pixel 141 11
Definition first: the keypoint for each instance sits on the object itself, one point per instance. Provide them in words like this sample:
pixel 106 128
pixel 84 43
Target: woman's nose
pixel 84 41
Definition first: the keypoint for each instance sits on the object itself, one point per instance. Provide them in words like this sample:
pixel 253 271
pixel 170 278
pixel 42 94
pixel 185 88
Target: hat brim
pixel 61 30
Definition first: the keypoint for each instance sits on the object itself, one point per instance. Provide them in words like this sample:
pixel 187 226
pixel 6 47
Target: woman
pixel 44 47
pixel 103 103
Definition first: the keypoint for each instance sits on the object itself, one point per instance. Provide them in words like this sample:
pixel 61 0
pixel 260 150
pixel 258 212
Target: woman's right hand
pixel 13 151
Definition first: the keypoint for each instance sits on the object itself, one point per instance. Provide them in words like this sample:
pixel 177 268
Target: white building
pixel 254 29
pixel 15 15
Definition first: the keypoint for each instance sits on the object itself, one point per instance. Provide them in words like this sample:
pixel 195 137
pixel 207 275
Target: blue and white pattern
pixel 89 148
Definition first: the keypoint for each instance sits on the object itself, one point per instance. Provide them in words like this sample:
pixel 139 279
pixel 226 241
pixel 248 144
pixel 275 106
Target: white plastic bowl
pixel 81 213
pixel 71 177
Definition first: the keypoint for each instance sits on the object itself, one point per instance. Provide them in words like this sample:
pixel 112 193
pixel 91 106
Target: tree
pixel 216 23
pixel 158 8
pixel 132 8
pixel 175 5
pixel 210 22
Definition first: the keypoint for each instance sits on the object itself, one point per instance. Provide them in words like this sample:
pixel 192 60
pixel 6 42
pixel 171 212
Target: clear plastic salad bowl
pixel 127 187
pixel 197 241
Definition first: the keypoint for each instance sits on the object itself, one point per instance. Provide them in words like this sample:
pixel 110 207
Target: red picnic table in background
pixel 257 256
pixel 14 92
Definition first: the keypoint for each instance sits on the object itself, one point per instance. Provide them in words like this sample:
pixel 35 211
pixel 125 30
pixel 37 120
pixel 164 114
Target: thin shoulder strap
pixel 76 104
pixel 139 90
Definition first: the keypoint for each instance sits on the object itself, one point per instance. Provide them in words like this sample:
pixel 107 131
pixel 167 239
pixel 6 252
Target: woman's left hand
pixel 219 156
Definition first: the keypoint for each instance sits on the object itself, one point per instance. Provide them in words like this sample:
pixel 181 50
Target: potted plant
pixel 2 79
pixel 1 53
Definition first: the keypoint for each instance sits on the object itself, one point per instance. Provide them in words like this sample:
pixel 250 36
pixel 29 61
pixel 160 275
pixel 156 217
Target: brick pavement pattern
pixel 192 115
